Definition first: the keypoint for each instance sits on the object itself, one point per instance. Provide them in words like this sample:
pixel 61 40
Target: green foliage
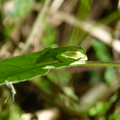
pixel 111 17
pixel 8 110
pixel 116 114
pixel 57 86
pixel 17 10
pixel 77 34
pixel 99 109
pixel 101 50
pixel 20 9
pixel 84 8
pixel 102 53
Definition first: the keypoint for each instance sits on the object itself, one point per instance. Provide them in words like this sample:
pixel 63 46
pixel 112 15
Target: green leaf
pixel 39 63
pixel 20 68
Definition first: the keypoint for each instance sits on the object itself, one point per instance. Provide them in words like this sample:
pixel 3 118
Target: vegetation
pixel 81 93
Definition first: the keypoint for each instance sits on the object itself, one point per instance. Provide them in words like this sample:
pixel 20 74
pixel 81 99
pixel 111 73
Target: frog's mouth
pixel 84 57
pixel 78 62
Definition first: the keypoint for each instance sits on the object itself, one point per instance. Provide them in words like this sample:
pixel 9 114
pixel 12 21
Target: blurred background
pixel 76 93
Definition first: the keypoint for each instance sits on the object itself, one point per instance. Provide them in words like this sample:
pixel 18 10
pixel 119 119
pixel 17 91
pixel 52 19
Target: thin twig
pixel 38 27
pixel 99 32
pixel 56 5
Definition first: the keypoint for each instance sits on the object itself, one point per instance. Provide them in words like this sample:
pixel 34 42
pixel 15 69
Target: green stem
pixel 105 64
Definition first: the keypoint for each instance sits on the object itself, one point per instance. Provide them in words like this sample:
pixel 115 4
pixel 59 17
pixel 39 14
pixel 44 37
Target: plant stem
pixel 105 64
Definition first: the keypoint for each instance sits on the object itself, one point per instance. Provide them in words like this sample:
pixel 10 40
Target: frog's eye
pixel 78 55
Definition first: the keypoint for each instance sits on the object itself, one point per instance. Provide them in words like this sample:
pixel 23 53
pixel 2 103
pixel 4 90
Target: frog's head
pixel 75 53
